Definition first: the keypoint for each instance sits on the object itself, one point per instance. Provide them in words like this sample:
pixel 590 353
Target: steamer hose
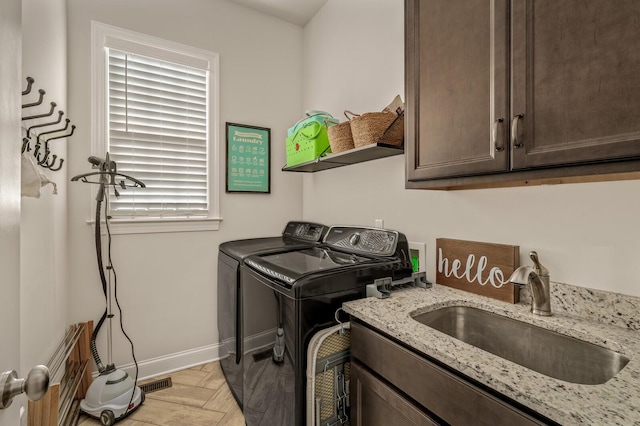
pixel 98 239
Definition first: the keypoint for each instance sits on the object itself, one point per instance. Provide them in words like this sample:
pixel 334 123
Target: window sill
pixel 160 225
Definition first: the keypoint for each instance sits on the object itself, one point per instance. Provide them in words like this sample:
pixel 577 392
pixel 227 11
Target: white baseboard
pixel 259 341
pixel 190 358
pixel 173 362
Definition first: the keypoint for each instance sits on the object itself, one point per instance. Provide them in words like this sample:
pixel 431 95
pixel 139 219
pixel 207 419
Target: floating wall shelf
pixel 353 156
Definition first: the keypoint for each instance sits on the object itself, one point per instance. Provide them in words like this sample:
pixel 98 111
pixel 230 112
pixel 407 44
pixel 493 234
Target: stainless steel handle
pixel 514 131
pixel 35 385
pixel 494 135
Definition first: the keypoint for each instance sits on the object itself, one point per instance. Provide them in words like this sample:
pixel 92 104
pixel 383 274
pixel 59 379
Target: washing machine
pixel 295 236
pixel 308 287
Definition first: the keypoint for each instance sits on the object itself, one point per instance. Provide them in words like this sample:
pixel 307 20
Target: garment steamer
pixel 113 394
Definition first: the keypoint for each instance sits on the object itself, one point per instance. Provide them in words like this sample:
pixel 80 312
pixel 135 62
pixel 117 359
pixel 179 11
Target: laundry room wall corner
pixel 43 221
pixel 167 281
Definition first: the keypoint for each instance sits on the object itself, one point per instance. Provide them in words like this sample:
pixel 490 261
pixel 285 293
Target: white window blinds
pixel 158 133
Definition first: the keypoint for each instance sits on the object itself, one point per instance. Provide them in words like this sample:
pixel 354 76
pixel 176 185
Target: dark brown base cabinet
pixel 393 386
pixel 375 403
pixel 520 92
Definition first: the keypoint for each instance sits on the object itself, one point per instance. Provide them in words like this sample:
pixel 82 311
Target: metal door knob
pixel 35 385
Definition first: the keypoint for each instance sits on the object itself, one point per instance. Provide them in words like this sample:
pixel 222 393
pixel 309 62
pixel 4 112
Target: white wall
pixel 586 234
pixel 167 282
pixel 10 52
pixel 43 224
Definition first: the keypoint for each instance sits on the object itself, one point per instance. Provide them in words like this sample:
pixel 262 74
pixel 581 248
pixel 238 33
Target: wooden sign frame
pixel 477 267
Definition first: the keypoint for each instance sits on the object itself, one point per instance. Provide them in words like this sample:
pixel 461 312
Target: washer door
pixel 289 267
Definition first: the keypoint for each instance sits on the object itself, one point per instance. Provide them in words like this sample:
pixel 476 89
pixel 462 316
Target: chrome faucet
pixel 538 279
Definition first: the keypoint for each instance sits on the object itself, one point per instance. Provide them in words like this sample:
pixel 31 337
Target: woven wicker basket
pixel 372 127
pixel 340 137
pixel 394 135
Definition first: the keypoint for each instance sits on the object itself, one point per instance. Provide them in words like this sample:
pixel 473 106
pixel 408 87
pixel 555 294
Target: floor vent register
pixel 259 356
pixel 156 385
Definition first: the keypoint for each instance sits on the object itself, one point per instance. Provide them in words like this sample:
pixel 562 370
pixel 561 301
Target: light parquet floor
pixel 199 396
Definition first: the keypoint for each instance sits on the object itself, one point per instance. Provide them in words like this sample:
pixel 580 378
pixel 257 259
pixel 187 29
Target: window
pixel 155 112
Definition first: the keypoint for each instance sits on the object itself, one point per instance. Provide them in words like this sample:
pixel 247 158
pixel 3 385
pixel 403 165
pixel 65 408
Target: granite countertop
pixel 616 402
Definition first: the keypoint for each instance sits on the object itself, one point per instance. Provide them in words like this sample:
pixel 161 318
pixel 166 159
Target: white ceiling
pixel 297 12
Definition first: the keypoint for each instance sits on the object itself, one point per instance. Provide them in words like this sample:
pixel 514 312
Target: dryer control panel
pixel 307 231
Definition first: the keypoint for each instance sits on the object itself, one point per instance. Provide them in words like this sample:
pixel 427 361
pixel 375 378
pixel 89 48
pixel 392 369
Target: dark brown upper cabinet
pixel 457 86
pixel 521 92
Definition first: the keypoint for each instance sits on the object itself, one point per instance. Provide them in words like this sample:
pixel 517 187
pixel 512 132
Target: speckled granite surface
pixel 616 402
pixel 602 306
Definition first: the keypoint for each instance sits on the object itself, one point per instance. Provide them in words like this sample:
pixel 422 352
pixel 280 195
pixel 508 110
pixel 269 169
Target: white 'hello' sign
pixel 480 268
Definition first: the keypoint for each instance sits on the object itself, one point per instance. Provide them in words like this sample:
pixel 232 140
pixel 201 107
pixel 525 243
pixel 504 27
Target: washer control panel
pixel 360 240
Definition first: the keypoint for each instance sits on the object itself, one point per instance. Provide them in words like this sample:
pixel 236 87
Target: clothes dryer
pixel 295 236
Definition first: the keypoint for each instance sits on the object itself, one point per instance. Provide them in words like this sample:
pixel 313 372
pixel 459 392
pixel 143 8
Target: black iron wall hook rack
pixel 50 123
pixel 43 155
pixel 36 103
pixel 30 82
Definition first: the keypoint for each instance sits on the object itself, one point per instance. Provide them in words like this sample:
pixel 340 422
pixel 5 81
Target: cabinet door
pixel 575 80
pixel 374 403
pixel 449 397
pixel 456 76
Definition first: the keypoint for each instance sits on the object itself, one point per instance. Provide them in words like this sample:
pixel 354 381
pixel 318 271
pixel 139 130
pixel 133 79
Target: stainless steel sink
pixel 545 351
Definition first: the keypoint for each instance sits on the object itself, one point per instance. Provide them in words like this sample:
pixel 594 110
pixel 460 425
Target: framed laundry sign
pixel 480 268
pixel 248 161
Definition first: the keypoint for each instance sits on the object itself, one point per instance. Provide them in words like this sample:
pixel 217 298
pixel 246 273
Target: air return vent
pixel 156 385
pixel 259 356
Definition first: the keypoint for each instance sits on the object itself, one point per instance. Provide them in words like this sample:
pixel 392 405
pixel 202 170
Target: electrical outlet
pixel 379 223
pixel 418 252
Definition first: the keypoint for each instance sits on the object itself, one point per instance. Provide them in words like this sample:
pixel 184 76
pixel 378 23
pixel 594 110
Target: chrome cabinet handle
pixel 514 131
pixel 35 385
pixel 494 134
